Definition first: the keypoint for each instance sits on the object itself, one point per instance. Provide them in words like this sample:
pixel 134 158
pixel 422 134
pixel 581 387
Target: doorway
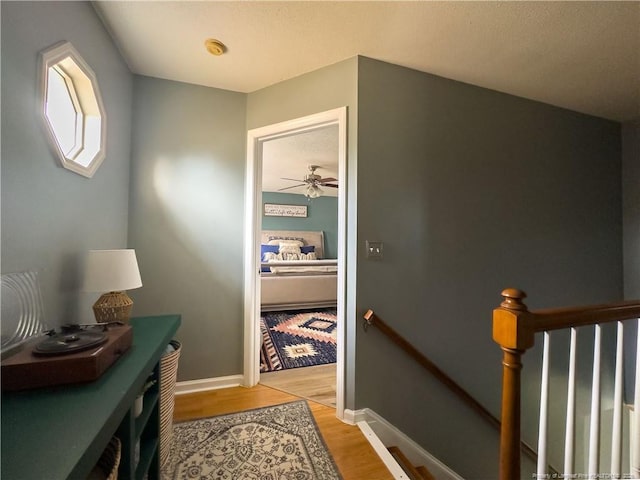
pixel 260 142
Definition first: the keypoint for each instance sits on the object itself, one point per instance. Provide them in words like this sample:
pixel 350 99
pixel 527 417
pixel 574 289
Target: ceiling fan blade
pixel 292 186
pixel 328 179
pixel 292 179
pixel 332 185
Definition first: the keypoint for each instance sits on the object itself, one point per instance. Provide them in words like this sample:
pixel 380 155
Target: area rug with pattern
pixel 281 442
pixel 299 338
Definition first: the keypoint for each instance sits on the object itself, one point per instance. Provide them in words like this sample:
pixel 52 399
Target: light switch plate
pixel 374 249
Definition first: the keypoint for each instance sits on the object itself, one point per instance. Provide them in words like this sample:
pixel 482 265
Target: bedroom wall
pixel 482 191
pixel 322 214
pixel 51 216
pixel 186 217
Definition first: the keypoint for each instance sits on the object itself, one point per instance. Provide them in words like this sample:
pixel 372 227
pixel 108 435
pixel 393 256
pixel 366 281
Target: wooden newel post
pixel 512 330
pixel 510 422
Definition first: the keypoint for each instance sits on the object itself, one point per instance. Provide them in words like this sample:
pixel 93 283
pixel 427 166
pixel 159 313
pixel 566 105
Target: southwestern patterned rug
pixel 273 443
pixel 299 338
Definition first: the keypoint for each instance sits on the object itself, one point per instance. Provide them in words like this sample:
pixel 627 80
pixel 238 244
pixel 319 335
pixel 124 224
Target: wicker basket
pixel 108 463
pixel 168 373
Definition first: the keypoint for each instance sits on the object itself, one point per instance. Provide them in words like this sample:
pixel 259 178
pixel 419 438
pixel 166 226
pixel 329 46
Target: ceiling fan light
pixel 313 191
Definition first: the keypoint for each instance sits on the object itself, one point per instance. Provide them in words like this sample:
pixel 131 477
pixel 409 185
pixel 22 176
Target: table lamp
pixel 113 272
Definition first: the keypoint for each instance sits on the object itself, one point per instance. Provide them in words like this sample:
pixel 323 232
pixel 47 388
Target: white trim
pixel 253 211
pixel 354 416
pixel 389 436
pixel 86 92
pixel 384 454
pixel 206 384
pixel 341 117
pixel 251 247
pixel 349 416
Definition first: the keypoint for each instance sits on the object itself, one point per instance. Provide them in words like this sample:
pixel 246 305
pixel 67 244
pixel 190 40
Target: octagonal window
pixel 72 110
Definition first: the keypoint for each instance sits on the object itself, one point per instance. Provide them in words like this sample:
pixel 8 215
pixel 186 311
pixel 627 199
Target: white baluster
pixel 594 429
pixel 544 403
pixel 569 438
pixel 616 435
pixel 635 453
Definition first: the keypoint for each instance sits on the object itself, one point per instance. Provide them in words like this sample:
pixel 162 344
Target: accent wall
pixel 322 215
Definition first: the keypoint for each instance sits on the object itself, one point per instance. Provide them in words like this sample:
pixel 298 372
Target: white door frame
pixel 253 226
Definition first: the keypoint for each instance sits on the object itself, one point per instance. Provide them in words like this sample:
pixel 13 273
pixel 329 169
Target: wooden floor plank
pixel 317 383
pixel 351 451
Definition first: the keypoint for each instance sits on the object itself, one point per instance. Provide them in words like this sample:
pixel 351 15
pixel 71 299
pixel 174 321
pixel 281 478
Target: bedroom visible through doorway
pixel 294 296
pixel 298 353
pixel 299 264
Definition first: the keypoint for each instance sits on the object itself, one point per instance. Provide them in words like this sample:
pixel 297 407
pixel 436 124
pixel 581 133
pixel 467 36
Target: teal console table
pixel 59 433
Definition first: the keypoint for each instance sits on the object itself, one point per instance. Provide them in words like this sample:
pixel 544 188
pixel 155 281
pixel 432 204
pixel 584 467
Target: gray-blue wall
pixel 631 207
pixel 631 240
pixel 472 191
pixel 51 216
pixel 186 217
pixel 322 214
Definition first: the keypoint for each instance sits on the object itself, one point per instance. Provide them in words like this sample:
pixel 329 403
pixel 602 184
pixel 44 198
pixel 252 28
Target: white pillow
pixel 289 248
pixel 277 240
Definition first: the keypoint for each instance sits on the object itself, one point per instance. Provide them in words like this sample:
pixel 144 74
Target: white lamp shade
pixel 111 271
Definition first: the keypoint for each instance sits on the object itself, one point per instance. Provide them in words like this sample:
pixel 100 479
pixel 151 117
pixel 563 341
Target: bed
pixel 296 281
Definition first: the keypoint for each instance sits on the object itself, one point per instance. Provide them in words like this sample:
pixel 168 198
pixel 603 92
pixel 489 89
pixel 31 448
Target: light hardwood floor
pixel 351 451
pixel 313 383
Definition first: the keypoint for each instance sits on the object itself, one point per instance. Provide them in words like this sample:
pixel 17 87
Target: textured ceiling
pixel 290 157
pixel 584 56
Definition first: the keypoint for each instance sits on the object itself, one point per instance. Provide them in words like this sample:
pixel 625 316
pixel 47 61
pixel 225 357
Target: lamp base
pixel 113 307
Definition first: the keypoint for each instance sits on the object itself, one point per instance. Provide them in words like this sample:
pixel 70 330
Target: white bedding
pixel 301 283
pixel 305 269
pixel 302 266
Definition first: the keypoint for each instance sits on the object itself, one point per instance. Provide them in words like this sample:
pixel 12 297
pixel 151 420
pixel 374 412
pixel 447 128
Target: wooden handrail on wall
pixel 372 319
pixel 514 327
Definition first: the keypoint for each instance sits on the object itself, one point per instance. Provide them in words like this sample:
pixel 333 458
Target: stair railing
pixel 514 329
pixel 371 319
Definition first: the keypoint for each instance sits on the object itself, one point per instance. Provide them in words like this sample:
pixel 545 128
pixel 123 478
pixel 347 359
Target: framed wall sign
pixel 275 210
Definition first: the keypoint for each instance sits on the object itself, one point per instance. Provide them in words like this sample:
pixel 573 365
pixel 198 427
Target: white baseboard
pixel 385 435
pixel 382 452
pixel 352 417
pixel 205 384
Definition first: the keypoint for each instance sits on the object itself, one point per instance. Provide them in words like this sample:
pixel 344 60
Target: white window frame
pixel 84 94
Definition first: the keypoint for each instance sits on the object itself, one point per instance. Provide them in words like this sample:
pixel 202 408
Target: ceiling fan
pixel 313 182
